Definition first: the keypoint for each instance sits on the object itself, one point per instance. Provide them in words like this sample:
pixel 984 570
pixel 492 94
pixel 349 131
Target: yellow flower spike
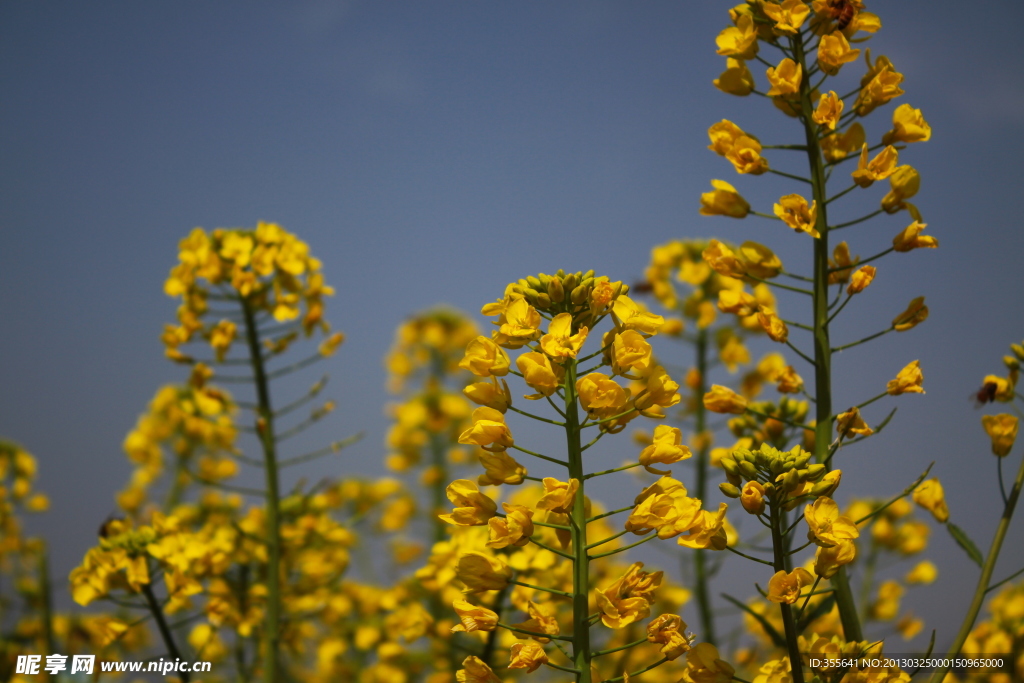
pixel 785 78
pixel 490 394
pixel 908 380
pixel 1002 430
pixel 794 212
pixel 529 655
pixel 723 201
pixel 932 498
pixel 826 527
pixel 631 316
pixel 850 423
pixel 861 278
pixel 666 449
pixel 736 79
pixel 827 561
pixel 834 51
pixel 484 358
pixel 878 86
pixel 514 529
pixel 752 497
pixel 739 41
pixel 475 671
pixel 772 325
pixel 473 617
pixel 480 572
pixel 558 495
pixel 630 353
pixel 915 314
pixel 784 588
pixel 788 16
pixel 724 400
pixel 668 630
pixel 910 238
pixel 703 665
pixel 560 343
pixel 908 125
pixel 879 168
pixel 500 468
pixel 923 573
pixel 745 156
pixel 829 109
pixel 488 431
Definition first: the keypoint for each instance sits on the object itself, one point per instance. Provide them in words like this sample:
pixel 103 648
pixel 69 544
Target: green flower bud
pixel 729 489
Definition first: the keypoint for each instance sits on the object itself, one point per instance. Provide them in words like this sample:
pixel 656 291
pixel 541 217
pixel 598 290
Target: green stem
pixel 704 608
pixel 161 624
pixel 47 598
pixel 578 522
pixel 265 429
pixel 986 574
pixel 788 620
pixel 822 345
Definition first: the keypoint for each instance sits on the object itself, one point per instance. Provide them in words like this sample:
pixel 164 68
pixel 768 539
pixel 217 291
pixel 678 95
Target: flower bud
pixel 747 469
pixel 543 301
pixel 533 282
pixel 729 490
pixel 555 290
pixel 752 498
pixel 1018 351
pixel 570 281
pixel 579 295
pixel 729 465
pixel 815 471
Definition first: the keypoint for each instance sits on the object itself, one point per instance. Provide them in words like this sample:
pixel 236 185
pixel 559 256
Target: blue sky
pixel 432 152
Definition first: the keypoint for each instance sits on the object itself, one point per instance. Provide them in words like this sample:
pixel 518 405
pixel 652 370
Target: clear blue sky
pixel 431 152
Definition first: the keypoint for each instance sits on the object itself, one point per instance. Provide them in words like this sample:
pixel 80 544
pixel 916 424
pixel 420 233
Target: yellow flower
pixel 629 598
pixel 221 337
pixel 723 136
pixel 560 342
pixel 915 314
pixel 723 201
pixel 475 671
pixel 860 279
pixel 834 51
pixel 737 301
pixel 903 184
pixel 759 261
pixel 630 351
pixel 472 508
pixel 788 17
pixel 499 468
pixel 631 316
pixel 601 396
pixel 520 325
pixel 752 497
pixel 736 79
pixel 887 605
pixel 733 353
pixel 827 561
pixel 540 621
pixel 667 448
pixel 668 631
pixel 784 588
pixel 830 108
pixel 924 573
pixel 480 572
pixel 724 400
pixel 514 529
pixel 837 146
pixel 484 358
pixel 723 260
pixel 788 381
pixel 794 212
pixel 327 346
pixel 910 238
pixel 772 325
pixel 785 78
pixel 559 496
pixel 490 394
pixel 908 125
pixel 703 665
pixel 539 373
pixel 1000 388
pixel 708 532
pixel 908 380
pixel 1002 429
pixel 931 497
pixel 745 155
pixel 851 422
pixel 659 390
pixel 738 41
pixel 488 430
pixel 878 86
pixel 826 527
pixel 473 617
pixel 529 655
pixel 879 168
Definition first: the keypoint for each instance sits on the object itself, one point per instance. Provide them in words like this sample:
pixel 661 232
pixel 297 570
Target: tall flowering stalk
pixel 555 540
pixel 814 43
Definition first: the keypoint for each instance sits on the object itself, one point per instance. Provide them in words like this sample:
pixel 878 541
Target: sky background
pixel 433 152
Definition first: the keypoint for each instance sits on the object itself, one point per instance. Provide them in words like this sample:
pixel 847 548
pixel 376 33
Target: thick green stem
pixel 822 347
pixel 265 431
pixel 46 595
pixel 788 620
pixel 707 620
pixel 161 623
pixel 578 531
pixel 986 574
